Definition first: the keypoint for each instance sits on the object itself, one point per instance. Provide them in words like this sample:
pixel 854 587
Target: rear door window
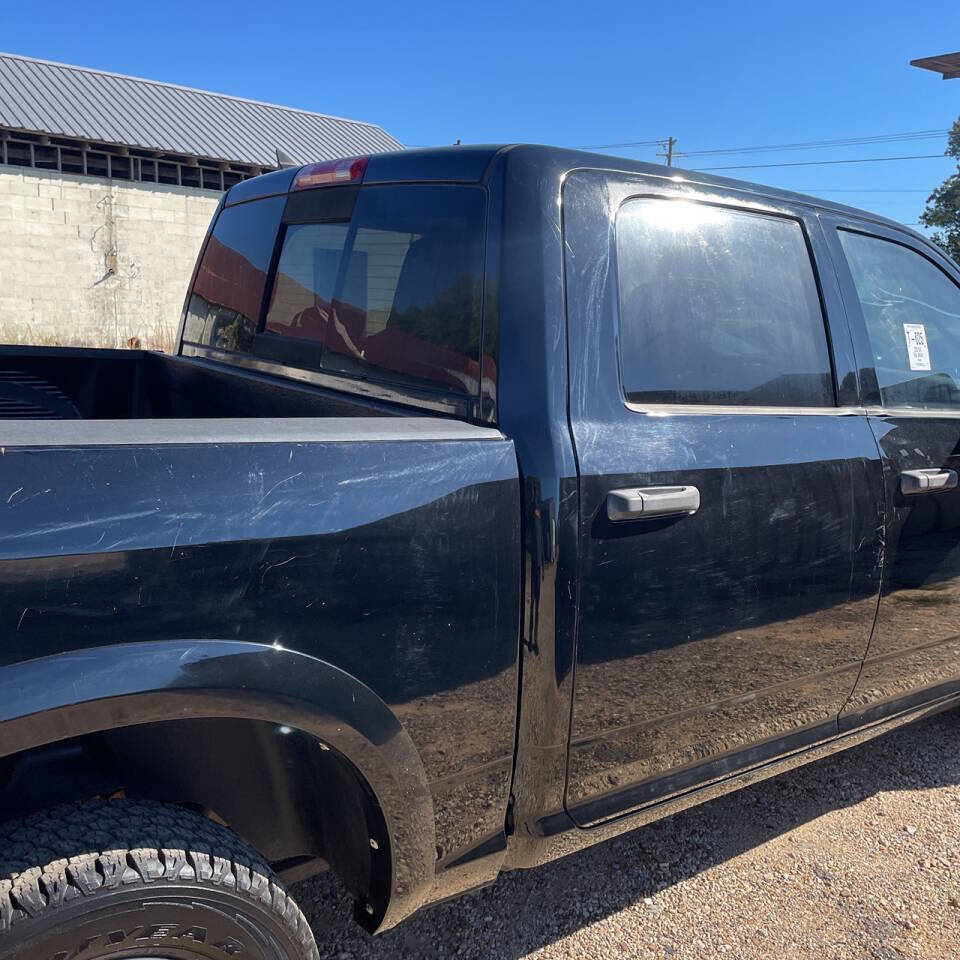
pixel 395 294
pixel 911 310
pixel 718 306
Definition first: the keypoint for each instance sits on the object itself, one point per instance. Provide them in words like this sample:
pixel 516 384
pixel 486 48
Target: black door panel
pixel 703 636
pixel 713 640
pixel 892 284
pixel 915 649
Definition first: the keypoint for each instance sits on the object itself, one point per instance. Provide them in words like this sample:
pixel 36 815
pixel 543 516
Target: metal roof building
pixel 107 187
pixel 78 120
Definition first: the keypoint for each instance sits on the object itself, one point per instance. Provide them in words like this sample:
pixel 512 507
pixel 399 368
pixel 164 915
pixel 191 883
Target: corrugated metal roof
pixel 39 96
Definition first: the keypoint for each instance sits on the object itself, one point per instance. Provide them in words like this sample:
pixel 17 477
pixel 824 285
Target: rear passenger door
pixel 903 299
pixel 730 489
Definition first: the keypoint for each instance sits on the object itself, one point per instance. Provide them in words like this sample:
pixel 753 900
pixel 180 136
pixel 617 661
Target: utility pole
pixel 668 144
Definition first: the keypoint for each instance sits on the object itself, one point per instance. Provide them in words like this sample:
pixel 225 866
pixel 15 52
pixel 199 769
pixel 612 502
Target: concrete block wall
pixel 92 262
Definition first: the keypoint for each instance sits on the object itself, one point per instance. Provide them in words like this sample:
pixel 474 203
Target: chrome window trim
pixel 708 409
pixel 949 413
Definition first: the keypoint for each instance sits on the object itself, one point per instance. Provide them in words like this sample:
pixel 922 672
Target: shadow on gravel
pixel 526 910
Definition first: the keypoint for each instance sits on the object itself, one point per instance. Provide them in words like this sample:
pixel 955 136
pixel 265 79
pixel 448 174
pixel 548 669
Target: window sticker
pixel 917 349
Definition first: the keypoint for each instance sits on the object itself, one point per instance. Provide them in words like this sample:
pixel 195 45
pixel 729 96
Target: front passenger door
pixel 903 299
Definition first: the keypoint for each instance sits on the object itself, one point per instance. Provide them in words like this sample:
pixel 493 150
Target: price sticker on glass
pixel 917 349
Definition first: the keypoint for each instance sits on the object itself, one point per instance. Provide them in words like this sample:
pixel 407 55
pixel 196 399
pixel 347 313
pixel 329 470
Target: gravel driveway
pixel 857 855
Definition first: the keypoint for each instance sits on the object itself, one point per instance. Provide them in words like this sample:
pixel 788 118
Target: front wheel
pixel 117 879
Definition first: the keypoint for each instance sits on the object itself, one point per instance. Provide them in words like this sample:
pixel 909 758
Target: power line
pixel 620 146
pixel 821 144
pixel 859 190
pixel 913 135
pixel 818 163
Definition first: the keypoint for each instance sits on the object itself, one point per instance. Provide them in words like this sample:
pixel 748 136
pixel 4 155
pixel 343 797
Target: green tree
pixel 943 205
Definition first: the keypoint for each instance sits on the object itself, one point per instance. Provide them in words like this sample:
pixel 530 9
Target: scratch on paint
pixel 54 528
pixel 282 563
pixel 175 539
pixel 279 483
pixel 39 493
pixel 15 492
pixel 22 615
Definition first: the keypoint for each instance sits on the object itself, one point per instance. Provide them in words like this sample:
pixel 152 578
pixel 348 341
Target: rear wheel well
pixel 298 802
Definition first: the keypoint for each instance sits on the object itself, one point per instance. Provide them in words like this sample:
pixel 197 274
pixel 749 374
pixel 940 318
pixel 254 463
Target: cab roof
pixel 472 163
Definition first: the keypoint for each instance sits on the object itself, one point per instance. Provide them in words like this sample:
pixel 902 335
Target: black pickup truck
pixel 498 500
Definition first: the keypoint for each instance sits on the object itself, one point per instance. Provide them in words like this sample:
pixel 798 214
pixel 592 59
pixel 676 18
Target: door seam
pixel 882 563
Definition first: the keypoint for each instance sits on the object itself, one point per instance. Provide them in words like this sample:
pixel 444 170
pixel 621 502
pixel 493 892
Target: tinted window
pixel 395 293
pixel 718 306
pixel 224 307
pixel 912 314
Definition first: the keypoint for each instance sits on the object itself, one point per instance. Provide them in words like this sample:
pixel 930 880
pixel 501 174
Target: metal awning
pixel 946 63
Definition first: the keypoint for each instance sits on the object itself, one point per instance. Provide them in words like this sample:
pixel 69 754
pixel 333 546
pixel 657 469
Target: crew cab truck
pixel 498 500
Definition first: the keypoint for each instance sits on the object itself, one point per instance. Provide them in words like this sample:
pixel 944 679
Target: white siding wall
pixel 95 262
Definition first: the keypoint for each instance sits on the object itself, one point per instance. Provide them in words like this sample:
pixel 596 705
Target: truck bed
pixel 386 545
pixel 62 383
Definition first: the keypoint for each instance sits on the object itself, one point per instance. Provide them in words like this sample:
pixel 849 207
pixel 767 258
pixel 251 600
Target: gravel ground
pixel 857 855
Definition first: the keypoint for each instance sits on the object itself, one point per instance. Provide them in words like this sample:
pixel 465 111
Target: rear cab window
pixel 224 306
pixel 718 306
pixel 376 283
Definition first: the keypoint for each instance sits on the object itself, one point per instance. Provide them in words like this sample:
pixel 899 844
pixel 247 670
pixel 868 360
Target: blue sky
pixel 712 75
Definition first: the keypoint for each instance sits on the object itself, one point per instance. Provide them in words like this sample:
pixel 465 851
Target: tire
pixel 123 878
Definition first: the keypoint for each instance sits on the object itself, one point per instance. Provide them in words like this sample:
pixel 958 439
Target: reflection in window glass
pixel 912 314
pixel 396 293
pixel 718 306
pixel 300 303
pixel 224 306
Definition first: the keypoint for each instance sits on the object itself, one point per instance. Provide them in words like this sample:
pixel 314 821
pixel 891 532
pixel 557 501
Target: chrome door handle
pixel 927 481
pixel 637 503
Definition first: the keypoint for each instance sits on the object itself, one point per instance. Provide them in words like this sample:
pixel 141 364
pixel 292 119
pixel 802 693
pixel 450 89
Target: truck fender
pixel 85 691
